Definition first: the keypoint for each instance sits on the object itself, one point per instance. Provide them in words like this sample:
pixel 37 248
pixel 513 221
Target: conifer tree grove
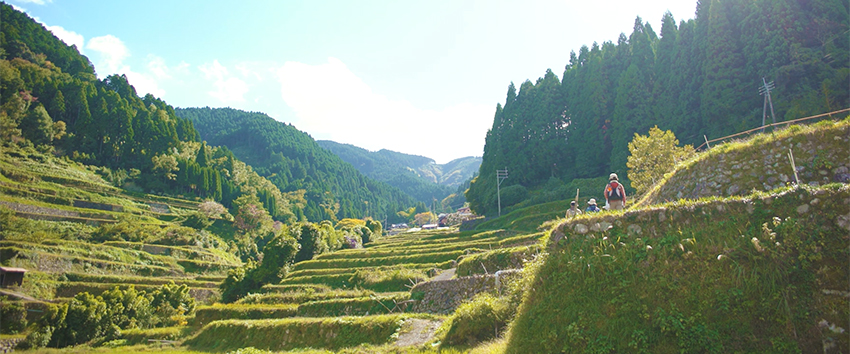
pixel 700 77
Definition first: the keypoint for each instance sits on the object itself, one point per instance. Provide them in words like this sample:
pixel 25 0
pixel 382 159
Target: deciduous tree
pixel 652 156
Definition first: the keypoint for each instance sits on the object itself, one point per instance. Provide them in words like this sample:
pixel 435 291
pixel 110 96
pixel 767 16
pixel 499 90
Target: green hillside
pixel 293 161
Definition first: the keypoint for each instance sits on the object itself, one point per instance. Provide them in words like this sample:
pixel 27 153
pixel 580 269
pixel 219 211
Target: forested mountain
pixel 418 176
pixel 294 162
pixel 698 78
pixel 53 103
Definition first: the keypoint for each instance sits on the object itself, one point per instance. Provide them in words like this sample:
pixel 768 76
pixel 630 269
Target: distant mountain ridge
pixel 419 176
pixel 293 161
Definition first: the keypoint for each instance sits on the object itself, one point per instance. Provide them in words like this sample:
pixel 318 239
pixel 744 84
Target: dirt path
pixel 416 332
pixel 445 275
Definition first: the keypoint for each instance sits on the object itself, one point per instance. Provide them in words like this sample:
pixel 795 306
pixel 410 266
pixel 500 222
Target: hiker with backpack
pixel 614 193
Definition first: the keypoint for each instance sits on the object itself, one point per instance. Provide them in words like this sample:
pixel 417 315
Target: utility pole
pixel 500 176
pixel 764 90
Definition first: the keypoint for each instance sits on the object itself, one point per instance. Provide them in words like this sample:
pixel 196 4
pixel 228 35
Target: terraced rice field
pixel 355 290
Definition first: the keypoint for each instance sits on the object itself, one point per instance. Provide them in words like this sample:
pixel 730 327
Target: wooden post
pixel 793 166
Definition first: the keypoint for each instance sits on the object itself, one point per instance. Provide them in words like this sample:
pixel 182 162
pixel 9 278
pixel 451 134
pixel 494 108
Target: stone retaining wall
pixel 444 296
pixel 821 157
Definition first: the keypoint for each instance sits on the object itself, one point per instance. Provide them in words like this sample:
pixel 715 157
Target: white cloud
pixel 226 87
pixel 330 101
pixel 157 67
pixel 112 53
pixel 69 37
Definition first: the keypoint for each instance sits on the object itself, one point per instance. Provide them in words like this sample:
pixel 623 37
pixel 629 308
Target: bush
pixel 13 315
pixel 172 303
pixel 85 319
pixel 126 230
pixel 310 238
pixel 198 221
pixel 481 319
pixel 43 329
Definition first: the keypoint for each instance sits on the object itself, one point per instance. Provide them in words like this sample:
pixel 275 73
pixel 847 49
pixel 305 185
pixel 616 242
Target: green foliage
pixel 292 333
pixel 278 255
pixel 513 194
pixel 293 161
pixel 238 282
pixel 14 316
pixel 207 314
pixel 85 319
pixel 738 274
pixel 484 317
pixel 37 126
pixel 198 220
pixel 689 80
pixel 310 238
pixel 363 306
pixel 172 303
pixel 652 156
pixel 495 260
pixel 126 230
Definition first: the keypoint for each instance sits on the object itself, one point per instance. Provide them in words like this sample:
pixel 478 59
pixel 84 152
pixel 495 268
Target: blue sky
pixel 418 77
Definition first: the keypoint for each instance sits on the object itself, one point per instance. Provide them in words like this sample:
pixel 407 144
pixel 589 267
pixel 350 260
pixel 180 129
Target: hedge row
pixel 445 238
pixel 437 257
pixel 47 261
pixel 498 259
pixel 141 336
pixel 299 297
pixel 183 252
pixel 91 250
pixel 291 333
pixel 398 279
pixel 125 279
pixel 361 306
pixel 71 289
pixel 207 314
pixel 284 288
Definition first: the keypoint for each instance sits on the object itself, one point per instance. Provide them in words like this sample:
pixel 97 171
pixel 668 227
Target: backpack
pixel 614 191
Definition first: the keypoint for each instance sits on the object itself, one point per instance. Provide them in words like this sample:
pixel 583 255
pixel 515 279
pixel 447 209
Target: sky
pixel 417 77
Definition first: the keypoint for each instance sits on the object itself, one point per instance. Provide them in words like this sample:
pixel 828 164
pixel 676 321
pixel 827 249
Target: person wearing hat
pixel 615 194
pixel 573 210
pixel 591 206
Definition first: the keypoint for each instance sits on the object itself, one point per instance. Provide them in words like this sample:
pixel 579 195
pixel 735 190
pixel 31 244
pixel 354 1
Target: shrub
pixel 126 230
pixel 481 319
pixel 197 220
pixel 310 238
pixel 85 319
pixel 44 327
pixel 172 303
pixel 128 308
pixel 13 315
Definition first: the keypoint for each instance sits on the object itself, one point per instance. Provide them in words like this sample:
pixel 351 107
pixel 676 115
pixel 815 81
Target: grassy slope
pixel 755 273
pixel 52 193
pixel 760 163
